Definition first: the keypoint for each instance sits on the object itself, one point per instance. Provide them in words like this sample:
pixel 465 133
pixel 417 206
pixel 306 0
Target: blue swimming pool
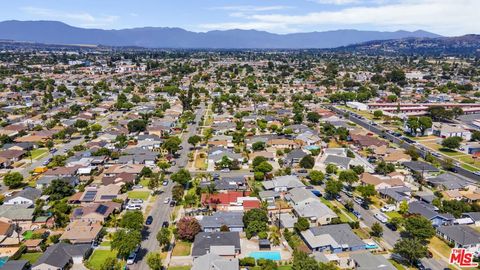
pixel 270 255
pixel 3 260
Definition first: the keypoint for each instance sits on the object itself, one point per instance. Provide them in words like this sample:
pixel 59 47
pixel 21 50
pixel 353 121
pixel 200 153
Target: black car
pixel 173 203
pixel 365 206
pixel 165 224
pixel 391 226
pixel 149 220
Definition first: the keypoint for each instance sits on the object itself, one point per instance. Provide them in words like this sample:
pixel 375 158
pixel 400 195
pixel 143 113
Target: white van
pixel 381 217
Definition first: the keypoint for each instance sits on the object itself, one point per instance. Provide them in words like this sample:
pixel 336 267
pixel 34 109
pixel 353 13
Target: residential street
pixel 160 211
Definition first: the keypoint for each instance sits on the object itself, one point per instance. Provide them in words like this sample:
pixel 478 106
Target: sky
pixel 444 17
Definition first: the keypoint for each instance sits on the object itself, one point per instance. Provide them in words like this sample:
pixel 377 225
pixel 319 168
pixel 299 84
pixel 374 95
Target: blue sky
pixel 446 17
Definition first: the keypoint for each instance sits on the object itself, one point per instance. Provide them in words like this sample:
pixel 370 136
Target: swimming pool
pixel 270 255
pixel 3 260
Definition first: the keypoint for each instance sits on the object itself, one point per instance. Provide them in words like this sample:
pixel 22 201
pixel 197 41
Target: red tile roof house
pixel 230 201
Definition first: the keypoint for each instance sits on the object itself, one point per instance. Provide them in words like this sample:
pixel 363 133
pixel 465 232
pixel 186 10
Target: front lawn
pixel 31 257
pixel 38 153
pixel 201 162
pixel 143 195
pixel 144 182
pixel 99 256
pixel 393 214
pixel 27 235
pixel 179 268
pixel 440 246
pixel 182 248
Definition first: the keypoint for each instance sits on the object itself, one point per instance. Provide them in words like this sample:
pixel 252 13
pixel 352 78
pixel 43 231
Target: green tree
pixel 257 160
pixel 452 142
pixel 316 177
pixel 378 114
pixel 377 230
pixel 384 168
pixel 13 179
pixel 419 227
pixel 301 261
pixel 182 177
pixel 177 192
pixel 367 191
pixel 302 224
pixel 313 117
pixel 331 168
pixel 425 123
pixel 333 187
pixel 307 162
pixel 154 261
pixel 263 167
pixel 194 140
pixel 348 176
pixel 58 190
pixel 410 249
pixel 124 242
pixel 258 146
pixel 172 144
pixel 137 125
pixel 403 208
pixel 132 220
pixel 111 263
pixel 164 165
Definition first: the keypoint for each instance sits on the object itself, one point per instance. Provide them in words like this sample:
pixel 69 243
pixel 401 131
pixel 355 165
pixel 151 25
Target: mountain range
pixel 54 32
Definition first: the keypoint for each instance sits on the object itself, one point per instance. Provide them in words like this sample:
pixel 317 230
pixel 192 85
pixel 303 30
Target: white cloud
pixel 448 17
pixel 335 2
pixel 82 19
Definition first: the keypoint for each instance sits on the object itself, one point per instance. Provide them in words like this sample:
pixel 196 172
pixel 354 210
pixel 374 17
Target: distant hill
pixel 464 45
pixel 53 32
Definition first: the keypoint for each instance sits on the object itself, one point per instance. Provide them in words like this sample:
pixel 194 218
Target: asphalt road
pixel 405 145
pixel 161 212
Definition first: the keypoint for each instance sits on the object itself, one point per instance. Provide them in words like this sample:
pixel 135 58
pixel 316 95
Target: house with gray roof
pixel 46 180
pixel 342 162
pixel 27 196
pixel 449 181
pixel 368 261
pixel 233 220
pixel 397 194
pixel 461 236
pixel 430 212
pixel 16 265
pixel 61 256
pixel 334 238
pixel 300 196
pixel 420 167
pixel 215 262
pixel 294 157
pixel 221 243
pixel 228 183
pixel 282 183
pixel 474 216
pixel 216 154
pixel 315 211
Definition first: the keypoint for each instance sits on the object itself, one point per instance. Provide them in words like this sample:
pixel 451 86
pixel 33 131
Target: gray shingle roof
pixel 427 210
pixel 419 166
pixel 341 234
pixel 215 262
pixel 460 234
pixel 230 219
pixel 338 160
pixel 28 193
pixel 475 216
pixel 204 240
pixel 59 255
pixel 368 261
pixel 449 181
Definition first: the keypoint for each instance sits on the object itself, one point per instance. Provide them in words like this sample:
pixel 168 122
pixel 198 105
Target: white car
pixel 134 207
pixel 131 258
pixel 136 201
pixel 388 208
pixel 381 217
pixel 167 200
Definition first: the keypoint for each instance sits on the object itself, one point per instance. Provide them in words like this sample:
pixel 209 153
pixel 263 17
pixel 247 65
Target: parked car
pixel 133 256
pixel 358 200
pixel 165 224
pixel 225 170
pixel 135 201
pixel 388 208
pixel 173 203
pixel 134 207
pixel 357 214
pixel 349 193
pixel 381 217
pixel 165 183
pixel 391 226
pixel 149 220
pixel 167 200
pixel 365 206
pixel 137 187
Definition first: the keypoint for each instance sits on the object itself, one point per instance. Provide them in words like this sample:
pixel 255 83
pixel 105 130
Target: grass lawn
pixel 362 233
pixel 144 182
pixel 470 168
pixel 37 153
pixel 448 152
pixel 99 256
pixel 393 214
pixel 397 265
pixel 200 163
pixel 179 268
pixel 105 244
pixel 285 267
pixel 182 248
pixel 139 195
pixel 440 246
pixel 27 235
pixel 31 257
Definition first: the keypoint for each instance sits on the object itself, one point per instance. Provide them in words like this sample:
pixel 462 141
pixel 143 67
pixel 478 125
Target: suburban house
pixel 445 130
pixel 215 262
pixel 232 220
pixel 294 157
pixel 334 238
pixel 368 261
pixel 27 196
pixel 461 236
pixel 230 201
pixel 300 196
pixel 225 244
pixel 95 212
pixel 420 167
pixel 82 232
pixel 474 216
pixel 380 182
pixel 62 256
pixel 429 212
pixel 450 181
pixel 282 183
pixel 20 214
pixel 315 211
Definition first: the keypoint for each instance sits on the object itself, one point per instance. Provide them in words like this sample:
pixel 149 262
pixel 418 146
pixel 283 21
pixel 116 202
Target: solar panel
pixel 102 209
pixel 90 195
pixel 108 197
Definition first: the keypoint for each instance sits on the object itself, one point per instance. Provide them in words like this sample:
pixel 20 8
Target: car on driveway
pixel 134 207
pixel 135 201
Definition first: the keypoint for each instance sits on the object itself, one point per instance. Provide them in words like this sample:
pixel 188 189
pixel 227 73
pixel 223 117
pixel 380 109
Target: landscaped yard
pixel 182 248
pixel 397 265
pixel 200 162
pixel 99 256
pixel 144 182
pixel 362 233
pixel 27 235
pixel 393 214
pixel 440 246
pixel 31 257
pixel 138 195
pixel 37 153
